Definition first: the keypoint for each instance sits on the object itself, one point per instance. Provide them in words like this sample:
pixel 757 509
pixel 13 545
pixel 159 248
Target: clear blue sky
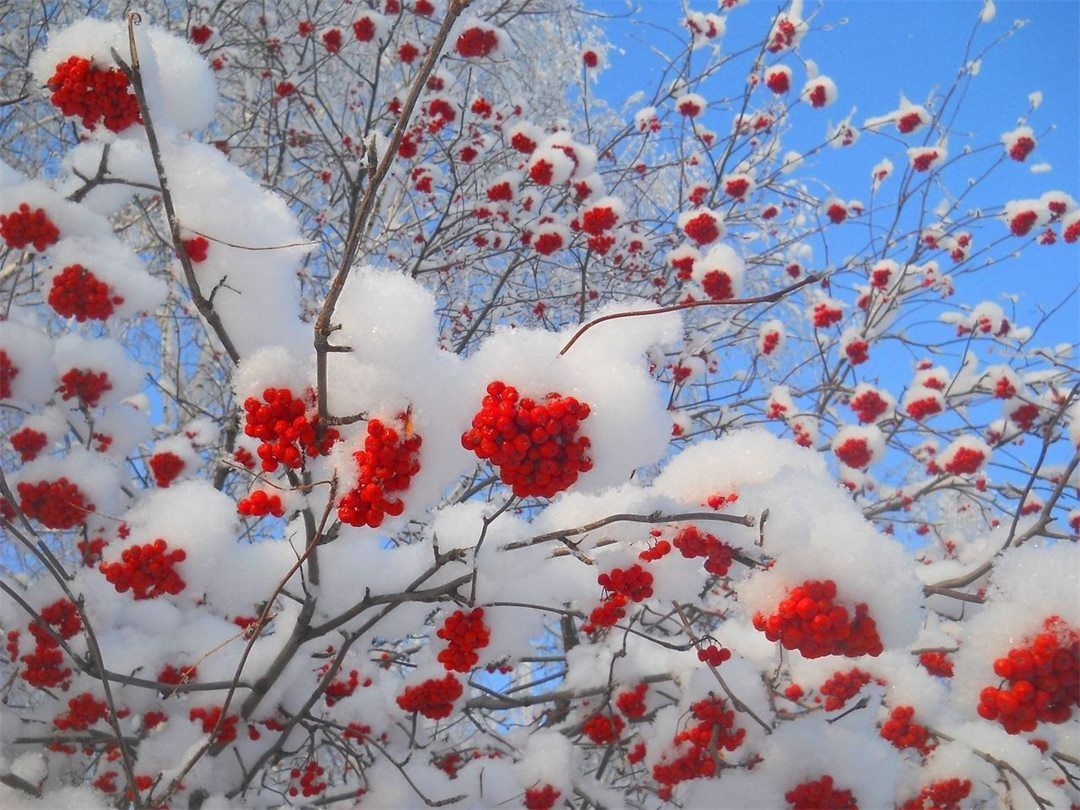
pixel 877 49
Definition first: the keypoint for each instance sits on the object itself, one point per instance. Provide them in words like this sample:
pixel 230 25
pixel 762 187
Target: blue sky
pixel 877 49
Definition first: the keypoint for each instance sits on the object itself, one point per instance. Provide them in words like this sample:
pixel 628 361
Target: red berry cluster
pixel 281 422
pixel 210 720
pixel 1021 148
pixel 178 675
pixel 261 503
pixel 903 733
pixel 200 34
pixel 607 613
pixel 843 686
pixel 342 688
pixel 632 702
pixel 28 443
pixel 165 467
pixel 434 698
pixel 944 794
pixel 661 549
pixel 8 372
pixel 702 229
pixel 634 582
pixel 541 798
pixel 25 227
pixel 854 452
pixel 714 728
pixel 198 247
pixel 535 445
pixel 692 542
pixel 603 729
pixel 464 634
pixel 94 94
pixel 1041 680
pixel 90 550
pixel 44 665
pixel 820 795
pixel 86 385
pixel 148 571
pixel 937 663
pixel 55 504
pixel 476 41
pixel 868 406
pixel 77 293
pixel 713 655
pixel 964 461
pixel 808 620
pixel 310 785
pixel 387 464
pixel 825 314
pixel 83 711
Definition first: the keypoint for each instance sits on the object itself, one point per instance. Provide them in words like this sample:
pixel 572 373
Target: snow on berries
pixel 870 404
pixel 386 465
pixel 711 727
pixel 464 634
pixel 858 446
pixel 903 731
pixel 1019 143
pixel 535 444
pixel 778 79
pixel 94 95
pixel 690 105
pixel 720 273
pixel 433 698
pixel 286 428
pixel 966 455
pixel 771 337
pixel 602 215
pixel 926 158
pixel 819 91
pixel 941 794
pixel 147 570
pixel 24 226
pixel 810 620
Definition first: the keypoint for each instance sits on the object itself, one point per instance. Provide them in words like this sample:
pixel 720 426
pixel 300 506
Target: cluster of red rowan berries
pixel 854 452
pixel 166 467
pixel 820 794
pixel 843 686
pixel 197 248
pixel 93 94
pixel 476 42
pixel 85 385
pixel 58 504
pixel 603 728
pixel 713 729
pixel 44 665
pixel 825 314
pixel 702 228
pixel 965 461
pixel 632 701
pixel 8 372
pixel 83 711
pixel 541 798
pixel 868 406
pixel 464 634
pixel 535 445
pixel 310 784
pixel 209 719
pixel 433 698
pixel 28 442
pixel 903 733
pixel 261 503
pixel 634 582
pixel 658 550
pixel 77 293
pixel 178 675
pixel 343 687
pixel 24 227
pixel 387 464
pixel 1041 680
pixel 713 655
pixel 285 429
pixel 810 621
pixel 692 542
pixel 148 571
pixel 944 794
pixel 937 663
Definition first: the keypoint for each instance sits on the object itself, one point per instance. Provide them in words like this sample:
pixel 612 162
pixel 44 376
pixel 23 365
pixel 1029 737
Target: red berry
pixel 94 95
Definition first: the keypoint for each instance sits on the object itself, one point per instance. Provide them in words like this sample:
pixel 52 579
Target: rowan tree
pixel 389 421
